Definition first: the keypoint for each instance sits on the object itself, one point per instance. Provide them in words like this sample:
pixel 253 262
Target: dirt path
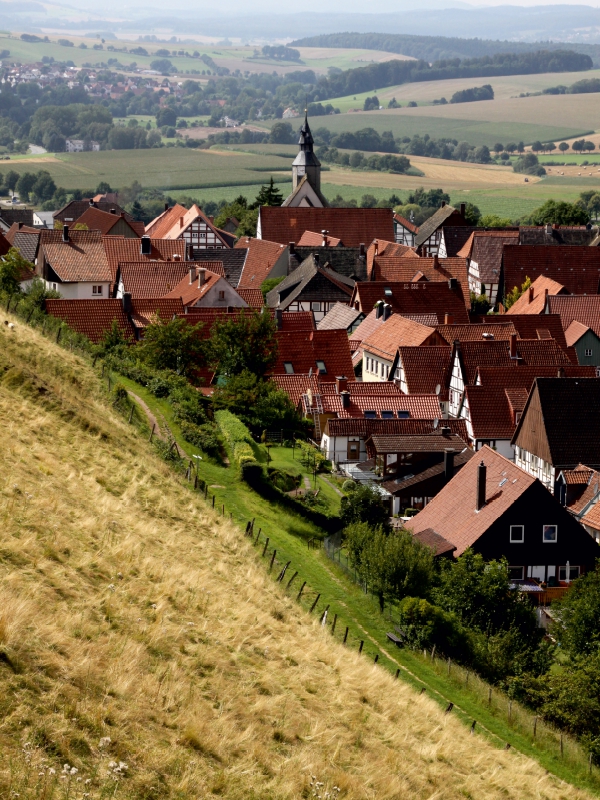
pixel 149 415
pixel 333 486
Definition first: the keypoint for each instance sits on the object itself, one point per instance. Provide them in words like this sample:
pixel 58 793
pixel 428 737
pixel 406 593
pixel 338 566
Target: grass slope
pixel 130 612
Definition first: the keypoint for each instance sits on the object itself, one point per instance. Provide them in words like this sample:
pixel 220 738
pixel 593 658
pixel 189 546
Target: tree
pixel 364 505
pixel 103 188
pixel 173 345
pixel 589 146
pixel 247 342
pixel 282 133
pixel 391 563
pixel 12 268
pixel 472 214
pixel 577 145
pixel 563 147
pixel 25 184
pixel 594 204
pixel 269 284
pixel 495 221
pixel 368 201
pixel 558 212
pixel 510 147
pixel 162 65
pixel 498 148
pixel 268 195
pixel 529 165
pixel 512 297
pixel 10 179
pixel 578 625
pixel 520 147
pixel 44 187
pixel 112 339
pixel 371 103
pixel 537 146
pixel 257 402
pixel 480 303
pixel 166 116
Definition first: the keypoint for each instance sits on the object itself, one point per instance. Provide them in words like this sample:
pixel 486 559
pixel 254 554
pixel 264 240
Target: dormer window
pixel 387 291
pixel 370 415
pixel 322 368
pixel 403 414
pixel 387 415
pixel 288 367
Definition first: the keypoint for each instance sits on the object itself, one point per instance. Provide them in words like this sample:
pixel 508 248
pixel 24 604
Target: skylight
pixel 321 367
pixel 370 415
pixel 387 291
pixel 387 415
pixel 289 367
pixel 403 414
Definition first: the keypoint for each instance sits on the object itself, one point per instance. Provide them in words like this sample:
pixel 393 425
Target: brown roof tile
pixel 576 268
pixel 533 300
pixel 304 348
pixel 397 331
pixel 410 299
pixel 583 308
pixel 379 248
pixel 389 427
pixel 353 226
pixel 433 540
pixel 446 215
pixel 154 278
pixel 119 250
pixel 476 332
pixel 530 326
pixel 493 353
pixel 426 368
pixel 312 239
pixel 147 310
pixel 260 260
pixel 92 318
pixel 82 258
pixel 104 221
pixel 432 442
pixel 406 223
pixel 341 316
pixel 254 297
pixel 191 292
pixel 172 223
pixel 485 248
pixel 574 332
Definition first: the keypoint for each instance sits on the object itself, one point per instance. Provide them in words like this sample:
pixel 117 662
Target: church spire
pixel 306 140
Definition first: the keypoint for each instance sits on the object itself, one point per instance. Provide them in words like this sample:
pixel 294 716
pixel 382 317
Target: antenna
pixel 436 422
pixel 438 389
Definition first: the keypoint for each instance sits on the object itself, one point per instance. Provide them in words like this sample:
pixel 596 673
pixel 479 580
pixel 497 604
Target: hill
pixel 142 643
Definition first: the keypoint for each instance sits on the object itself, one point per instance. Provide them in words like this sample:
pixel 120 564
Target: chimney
pixel 436 261
pixel 201 277
pixel 448 319
pixel 145 246
pixel 561 372
pixel 211 218
pixel 345 399
pixel 166 206
pixel 548 230
pixel 463 209
pixel 176 256
pixel 126 299
pixel 444 431
pixel 113 211
pixel 341 383
pixel 92 204
pixel 513 345
pixel 279 318
pixel 481 476
pixel 378 309
pixel 292 248
pixel 448 465
pixel 530 294
pixel 324 235
pixel 361 250
pixel 65 233
pixel 181 222
pixel 192 275
pixel 387 311
pixel 443 204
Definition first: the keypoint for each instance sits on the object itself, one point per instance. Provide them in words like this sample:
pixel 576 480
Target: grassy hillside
pixel 144 646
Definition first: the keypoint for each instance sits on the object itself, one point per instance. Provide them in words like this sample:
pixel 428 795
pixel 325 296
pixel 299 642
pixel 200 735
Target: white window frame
pixel 549 541
pixel 289 371
pixel 563 570
pixel 522 539
pixel 588 352
pixel 97 289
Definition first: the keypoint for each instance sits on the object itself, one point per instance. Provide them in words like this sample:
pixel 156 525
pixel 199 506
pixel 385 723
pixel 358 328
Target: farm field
pixel 505 87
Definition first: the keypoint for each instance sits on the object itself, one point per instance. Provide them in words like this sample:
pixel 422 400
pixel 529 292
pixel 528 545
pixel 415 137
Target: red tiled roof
pixel 530 326
pixel 104 221
pixel 521 377
pixel 485 248
pixel 312 239
pixel 406 223
pixel 367 327
pixel 296 385
pixel 354 226
pixel 92 318
pixel 191 293
pixel 397 331
pixel 172 223
pixel 260 260
pixel 491 412
pixel 154 278
pixel 254 297
pixel 574 332
pixel 164 222
pixel 119 249
pixel 18 227
pixel 583 308
pixel 389 398
pixel 405 269
pixel 432 442
pixel 297 321
pixel 492 353
pixel 303 349
pixel 389 427
pixel 409 299
pixel 146 311
pixel 533 300
pixel 476 332
pixel 426 368
pixel 82 258
pixel 452 512
pixel 433 540
pixel 380 248
pixel 576 268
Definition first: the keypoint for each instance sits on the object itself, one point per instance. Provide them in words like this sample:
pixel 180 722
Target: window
pixel 403 414
pixel 288 367
pixel 588 351
pixel 315 306
pixel 550 533
pixel 515 573
pixel 222 295
pixel 322 368
pixel 517 417
pixel 517 534
pixel 97 290
pixel 387 415
pixel 387 291
pixel 534 462
pixel 370 415
pixel 568 574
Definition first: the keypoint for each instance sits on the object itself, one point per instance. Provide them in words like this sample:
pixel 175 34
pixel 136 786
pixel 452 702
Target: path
pixel 149 415
pixel 333 486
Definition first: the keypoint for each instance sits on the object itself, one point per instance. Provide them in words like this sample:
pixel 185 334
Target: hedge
pixel 239 443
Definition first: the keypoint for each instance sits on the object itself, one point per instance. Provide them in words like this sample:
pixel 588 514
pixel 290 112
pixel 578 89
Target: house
pixel 453 238
pixel 559 428
pixel 306 174
pixel 323 239
pixel 233 261
pixel 92 317
pixel 412 270
pixel 576 268
pixel 399 455
pixel 189 225
pixel 263 260
pixel 382 249
pixel 201 288
pixel 157 278
pixel 347 261
pixel 79 145
pixel 476 332
pixel 74 263
pixel 71 212
pixel 353 226
pixel 426 301
pixel 416 489
pixel 405 231
pixel 10 216
pixel 43 219
pixel 311 287
pixel 429 237
pixel 313 351
pixel 120 251
pixel 380 349
pixel 533 299
pixel 483 251
pixel 580 318
pixel 344 440
pixel 341 317
pixel 579 492
pixel 493 406
pixel 421 370
pixel 470 356
pixel 572 235
pixel 109 223
pixel 500 511
pixel 531 326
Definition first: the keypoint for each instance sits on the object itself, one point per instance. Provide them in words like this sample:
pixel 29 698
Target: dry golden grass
pixel 138 629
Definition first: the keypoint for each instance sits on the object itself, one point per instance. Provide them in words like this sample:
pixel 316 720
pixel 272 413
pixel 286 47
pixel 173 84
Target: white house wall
pixel 79 291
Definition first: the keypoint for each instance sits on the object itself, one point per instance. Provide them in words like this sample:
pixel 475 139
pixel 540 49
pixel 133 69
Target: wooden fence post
pixel 314 605
pixel 291 580
pixel 300 592
pixel 131 413
pixel 397 673
pixel 345 636
pixel 213 501
pixel 490 696
pixel 360 646
pixel 283 571
pixel 449 708
pixel 58 335
pixel 272 560
pixel 473 726
pixel 334 623
pixel 376 658
pixel 534 727
pixel 324 615
pixel 152 431
pixel 265 547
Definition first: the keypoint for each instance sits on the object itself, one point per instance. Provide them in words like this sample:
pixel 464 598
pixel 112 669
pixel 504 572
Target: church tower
pixel 306 173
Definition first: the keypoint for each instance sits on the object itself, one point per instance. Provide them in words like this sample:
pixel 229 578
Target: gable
pixel 531 433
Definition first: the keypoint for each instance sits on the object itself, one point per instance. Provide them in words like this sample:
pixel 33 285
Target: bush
pixel 349 486
pixel 426 625
pixel 119 393
pixel 239 443
pixel 203 436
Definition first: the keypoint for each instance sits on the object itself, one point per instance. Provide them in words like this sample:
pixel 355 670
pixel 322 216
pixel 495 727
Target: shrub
pixel 349 486
pixel 119 393
pixel 203 436
pixel 239 443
